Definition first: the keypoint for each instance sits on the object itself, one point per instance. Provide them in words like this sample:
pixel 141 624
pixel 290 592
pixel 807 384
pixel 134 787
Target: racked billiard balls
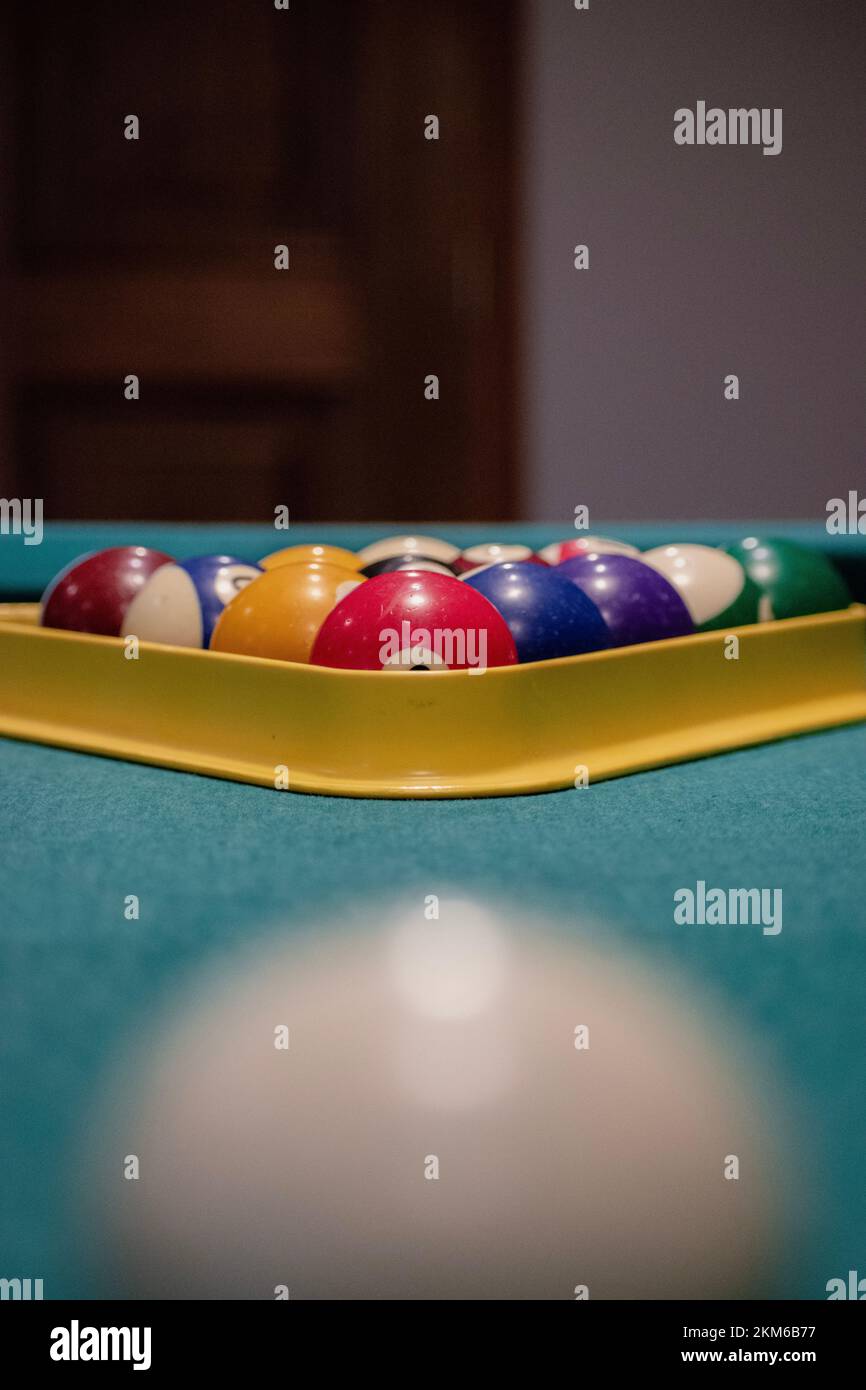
pixel 713 585
pixel 180 604
pixel 430 547
pixel 280 613
pixel 301 554
pixel 547 615
pixel 636 602
pixel 94 593
pixel 492 553
pixel 793 580
pixel 560 551
pixel 405 562
pixel 412 620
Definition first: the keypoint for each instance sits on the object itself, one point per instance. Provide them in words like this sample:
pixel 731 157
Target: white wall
pixel 703 261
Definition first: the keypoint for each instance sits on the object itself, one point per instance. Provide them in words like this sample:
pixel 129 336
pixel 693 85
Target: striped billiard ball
pixel 794 581
pixel 712 584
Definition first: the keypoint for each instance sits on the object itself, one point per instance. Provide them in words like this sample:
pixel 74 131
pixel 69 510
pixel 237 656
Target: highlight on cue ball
pixel 476 1106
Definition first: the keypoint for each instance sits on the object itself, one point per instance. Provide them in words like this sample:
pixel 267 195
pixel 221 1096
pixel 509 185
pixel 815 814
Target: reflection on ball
pixel 436 1127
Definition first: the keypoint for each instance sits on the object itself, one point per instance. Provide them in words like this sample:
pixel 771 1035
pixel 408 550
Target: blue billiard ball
pixel 547 615
pixel 636 602
pixel 181 609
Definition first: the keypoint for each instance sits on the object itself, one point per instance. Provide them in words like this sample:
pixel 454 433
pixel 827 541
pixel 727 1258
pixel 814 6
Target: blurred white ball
pixel 454 1039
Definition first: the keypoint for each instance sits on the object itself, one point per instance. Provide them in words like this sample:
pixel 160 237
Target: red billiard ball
pixel 560 551
pixel 94 592
pixel 414 620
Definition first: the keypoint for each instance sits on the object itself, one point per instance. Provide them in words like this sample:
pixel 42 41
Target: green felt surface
pixel 217 864
pixel 27 569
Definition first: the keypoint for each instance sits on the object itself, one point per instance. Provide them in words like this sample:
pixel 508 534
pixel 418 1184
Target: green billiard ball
pixel 793 580
pixel 712 584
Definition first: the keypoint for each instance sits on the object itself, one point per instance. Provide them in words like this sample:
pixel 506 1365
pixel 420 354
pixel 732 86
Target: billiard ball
pixel 429 547
pixel 300 554
pixel 712 584
pixel 405 562
pixel 280 613
pixel 480 1107
pixel 492 553
pixel 95 591
pixel 547 615
pixel 560 551
pixel 636 602
pixel 180 604
pixel 414 621
pixel 794 581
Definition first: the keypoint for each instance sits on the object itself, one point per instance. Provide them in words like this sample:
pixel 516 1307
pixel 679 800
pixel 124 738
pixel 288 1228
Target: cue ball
pixel 429 1128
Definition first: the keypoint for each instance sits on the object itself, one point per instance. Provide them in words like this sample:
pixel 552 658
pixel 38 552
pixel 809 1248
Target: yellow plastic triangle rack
pixel 508 730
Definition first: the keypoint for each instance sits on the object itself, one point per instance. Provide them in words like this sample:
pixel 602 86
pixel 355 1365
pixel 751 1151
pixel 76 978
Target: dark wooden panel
pixel 437 225
pixel 156 465
pixel 299 326
pixel 9 473
pixel 260 127
pixel 244 115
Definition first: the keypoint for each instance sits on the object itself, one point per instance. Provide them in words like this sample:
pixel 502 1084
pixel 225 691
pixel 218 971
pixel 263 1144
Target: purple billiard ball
pixel 547 614
pixel 636 602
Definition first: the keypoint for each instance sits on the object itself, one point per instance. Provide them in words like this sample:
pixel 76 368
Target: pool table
pixel 217 863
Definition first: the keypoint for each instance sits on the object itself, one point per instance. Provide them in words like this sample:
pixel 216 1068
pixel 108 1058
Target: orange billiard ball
pixel 301 554
pixel 279 614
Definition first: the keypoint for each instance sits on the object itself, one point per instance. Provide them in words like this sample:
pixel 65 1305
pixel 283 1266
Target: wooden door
pixel 155 257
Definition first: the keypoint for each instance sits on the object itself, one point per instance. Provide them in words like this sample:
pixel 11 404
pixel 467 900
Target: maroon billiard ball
pixel 93 593
pixel 414 620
